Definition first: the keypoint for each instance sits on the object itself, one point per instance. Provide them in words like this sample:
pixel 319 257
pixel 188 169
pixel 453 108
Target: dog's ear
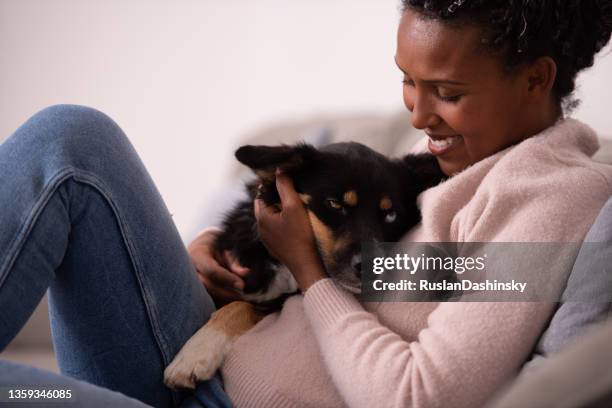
pixel 419 172
pixel 264 160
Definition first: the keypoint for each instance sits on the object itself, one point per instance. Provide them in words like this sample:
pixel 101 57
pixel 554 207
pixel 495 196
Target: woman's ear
pixel 541 75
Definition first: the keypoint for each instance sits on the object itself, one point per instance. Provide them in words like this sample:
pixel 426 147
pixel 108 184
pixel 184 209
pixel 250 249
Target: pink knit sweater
pixel 325 349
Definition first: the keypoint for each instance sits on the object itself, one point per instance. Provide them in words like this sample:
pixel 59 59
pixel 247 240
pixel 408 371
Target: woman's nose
pixel 423 116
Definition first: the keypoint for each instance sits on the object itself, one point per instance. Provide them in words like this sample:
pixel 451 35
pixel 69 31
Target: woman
pixel 487 80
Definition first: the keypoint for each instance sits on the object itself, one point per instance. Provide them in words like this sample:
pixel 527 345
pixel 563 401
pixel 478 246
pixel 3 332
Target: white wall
pixel 185 79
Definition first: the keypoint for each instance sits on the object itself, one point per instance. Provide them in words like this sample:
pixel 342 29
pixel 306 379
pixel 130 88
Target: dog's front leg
pixel 205 351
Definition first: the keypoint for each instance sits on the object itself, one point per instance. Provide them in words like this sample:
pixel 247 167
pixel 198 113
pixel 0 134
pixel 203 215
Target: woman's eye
pixel 452 99
pixel 334 204
pixel 408 82
pixel 390 217
pixel 449 98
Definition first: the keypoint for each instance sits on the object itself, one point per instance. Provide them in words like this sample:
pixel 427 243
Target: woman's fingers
pixel 220 281
pixel 263 213
pixel 218 293
pixel 270 216
pixel 287 233
pixel 233 265
pixel 284 184
pixel 222 277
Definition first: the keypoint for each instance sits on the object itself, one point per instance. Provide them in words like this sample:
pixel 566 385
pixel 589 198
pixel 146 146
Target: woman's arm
pixel 467 350
pixel 463 355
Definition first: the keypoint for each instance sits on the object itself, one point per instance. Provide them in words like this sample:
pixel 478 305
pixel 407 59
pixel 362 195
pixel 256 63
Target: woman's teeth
pixel 444 143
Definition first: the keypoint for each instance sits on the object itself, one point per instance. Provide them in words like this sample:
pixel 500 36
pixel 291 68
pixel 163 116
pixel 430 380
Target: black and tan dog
pixel 352 195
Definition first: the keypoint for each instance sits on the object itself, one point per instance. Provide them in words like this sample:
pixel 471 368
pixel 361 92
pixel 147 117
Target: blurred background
pixel 188 80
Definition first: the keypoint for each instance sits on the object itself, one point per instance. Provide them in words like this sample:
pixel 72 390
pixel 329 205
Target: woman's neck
pixel 543 119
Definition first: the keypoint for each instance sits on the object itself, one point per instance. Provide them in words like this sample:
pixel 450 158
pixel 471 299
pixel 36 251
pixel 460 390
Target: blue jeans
pixel 80 216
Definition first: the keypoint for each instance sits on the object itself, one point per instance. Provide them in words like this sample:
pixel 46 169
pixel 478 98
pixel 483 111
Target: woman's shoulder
pixel 546 188
pixel 559 157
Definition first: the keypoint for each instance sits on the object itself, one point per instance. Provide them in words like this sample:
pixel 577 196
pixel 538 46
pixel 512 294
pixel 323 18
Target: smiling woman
pixel 490 81
pixel 465 94
pixel 494 72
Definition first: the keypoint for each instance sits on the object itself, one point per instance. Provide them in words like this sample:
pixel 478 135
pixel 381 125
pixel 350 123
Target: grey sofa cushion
pixel 588 295
pixel 579 376
pixel 604 154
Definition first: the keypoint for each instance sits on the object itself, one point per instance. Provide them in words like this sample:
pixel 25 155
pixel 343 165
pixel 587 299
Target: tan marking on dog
pixel 234 319
pixel 386 203
pixel 324 237
pixel 267 175
pixel 306 198
pixel 341 244
pixel 350 198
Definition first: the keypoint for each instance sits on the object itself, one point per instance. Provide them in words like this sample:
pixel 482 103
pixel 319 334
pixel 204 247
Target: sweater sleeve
pixel 454 362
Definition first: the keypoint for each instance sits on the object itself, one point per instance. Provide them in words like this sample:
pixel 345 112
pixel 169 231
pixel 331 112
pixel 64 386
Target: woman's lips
pixel 439 145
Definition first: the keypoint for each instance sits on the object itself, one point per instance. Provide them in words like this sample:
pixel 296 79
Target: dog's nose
pixel 356 264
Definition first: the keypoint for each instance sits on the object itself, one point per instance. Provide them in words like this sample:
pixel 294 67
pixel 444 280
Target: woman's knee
pixel 72 133
pixel 74 121
pixel 72 112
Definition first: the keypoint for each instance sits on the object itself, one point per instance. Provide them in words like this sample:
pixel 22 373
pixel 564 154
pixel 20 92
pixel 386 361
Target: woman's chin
pixel 453 164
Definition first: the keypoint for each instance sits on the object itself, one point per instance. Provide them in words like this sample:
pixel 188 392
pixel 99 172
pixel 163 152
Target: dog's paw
pixel 198 360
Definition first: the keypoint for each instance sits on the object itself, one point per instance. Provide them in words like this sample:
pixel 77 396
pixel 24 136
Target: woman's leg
pixel 81 215
pixel 18 377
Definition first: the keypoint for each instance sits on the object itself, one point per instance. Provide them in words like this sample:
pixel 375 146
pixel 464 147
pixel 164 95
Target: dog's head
pixel 353 195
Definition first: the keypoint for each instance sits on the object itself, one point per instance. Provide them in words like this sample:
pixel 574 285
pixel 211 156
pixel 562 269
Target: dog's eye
pixel 390 217
pixel 334 204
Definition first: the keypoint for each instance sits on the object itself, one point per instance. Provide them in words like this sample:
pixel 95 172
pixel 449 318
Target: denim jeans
pixel 80 216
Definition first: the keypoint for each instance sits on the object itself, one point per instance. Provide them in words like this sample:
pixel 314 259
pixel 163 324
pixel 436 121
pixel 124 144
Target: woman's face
pixel 458 94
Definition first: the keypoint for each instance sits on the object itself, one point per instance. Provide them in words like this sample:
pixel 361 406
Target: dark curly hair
pixel 571 32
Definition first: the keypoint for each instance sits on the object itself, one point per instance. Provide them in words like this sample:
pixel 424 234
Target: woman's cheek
pixel 464 118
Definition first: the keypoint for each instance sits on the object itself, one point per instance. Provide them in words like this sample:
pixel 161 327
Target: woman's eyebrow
pixel 433 81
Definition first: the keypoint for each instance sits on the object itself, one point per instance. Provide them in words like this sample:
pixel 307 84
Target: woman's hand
pixel 288 236
pixel 219 272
